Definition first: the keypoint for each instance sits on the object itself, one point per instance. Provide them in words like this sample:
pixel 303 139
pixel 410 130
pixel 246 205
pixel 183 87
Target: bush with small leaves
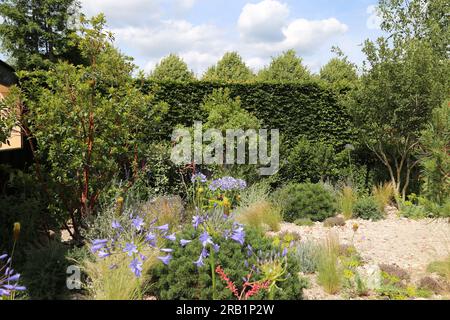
pixel 334 222
pixel 306 200
pixel 368 209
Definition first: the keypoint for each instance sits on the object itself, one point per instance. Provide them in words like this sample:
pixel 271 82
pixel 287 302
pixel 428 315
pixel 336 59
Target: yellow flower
pixel 226 202
pixel 16 231
pixel 200 190
pixel 355 227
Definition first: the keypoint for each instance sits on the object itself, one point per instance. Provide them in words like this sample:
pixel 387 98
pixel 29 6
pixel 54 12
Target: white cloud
pixel 124 13
pixel 262 22
pixel 374 21
pixel 185 4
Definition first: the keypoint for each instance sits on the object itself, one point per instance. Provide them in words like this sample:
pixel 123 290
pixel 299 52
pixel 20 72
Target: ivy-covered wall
pixel 308 109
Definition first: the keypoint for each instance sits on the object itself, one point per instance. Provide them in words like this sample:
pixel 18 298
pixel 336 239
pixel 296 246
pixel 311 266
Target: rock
pixel 371 276
pixel 333 222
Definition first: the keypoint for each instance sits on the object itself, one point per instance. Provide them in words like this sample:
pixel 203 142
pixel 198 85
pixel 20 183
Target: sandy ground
pixel 411 244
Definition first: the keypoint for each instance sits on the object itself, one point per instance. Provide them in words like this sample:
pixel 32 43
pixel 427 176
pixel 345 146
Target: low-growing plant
pixel 367 208
pixel 441 267
pixel 206 244
pixel 260 215
pixel 383 194
pixel 329 272
pixel 307 253
pixel 44 271
pixel 305 200
pixel 304 222
pixel 347 199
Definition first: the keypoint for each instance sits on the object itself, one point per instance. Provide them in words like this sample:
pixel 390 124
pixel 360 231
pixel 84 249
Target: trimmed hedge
pixel 308 109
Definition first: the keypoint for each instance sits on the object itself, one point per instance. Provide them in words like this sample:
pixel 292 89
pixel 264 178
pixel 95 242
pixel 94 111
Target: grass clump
pixel 383 194
pixel 368 209
pixel 442 268
pixel 329 271
pixel 347 200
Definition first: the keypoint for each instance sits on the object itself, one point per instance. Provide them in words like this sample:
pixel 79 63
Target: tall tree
pixel 89 123
pixel 398 92
pixel 426 20
pixel 339 72
pixel 35 33
pixel 172 68
pixel 285 68
pixel 231 68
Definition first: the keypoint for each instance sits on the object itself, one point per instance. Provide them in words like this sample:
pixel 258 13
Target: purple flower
pixel 227 184
pixel 98 244
pixel 249 250
pixel 198 177
pixel 196 220
pixel 239 235
pixel 14 287
pixel 136 267
pixel 3 256
pixel 138 223
pixel 204 253
pixel 285 252
pixel 199 263
pixel 166 250
pixel 163 228
pixel 130 249
pixel 103 254
pixel 171 237
pixel 166 259
pixel 184 242
pixel 116 225
pixel 150 239
pixel 205 239
pixel 216 247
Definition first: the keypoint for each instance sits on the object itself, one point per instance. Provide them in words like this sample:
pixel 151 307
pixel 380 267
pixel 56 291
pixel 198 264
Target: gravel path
pixel 411 244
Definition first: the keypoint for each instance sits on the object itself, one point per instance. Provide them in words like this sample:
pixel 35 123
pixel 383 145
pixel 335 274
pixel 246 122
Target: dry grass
pixel 383 194
pixel 165 210
pixel 329 274
pixel 347 201
pixel 261 215
pixel 118 283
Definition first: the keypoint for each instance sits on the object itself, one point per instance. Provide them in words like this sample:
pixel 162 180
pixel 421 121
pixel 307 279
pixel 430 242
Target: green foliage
pixel 305 200
pixel 307 222
pixel 309 160
pixel 181 279
pixel 89 123
pixel 172 68
pixel 367 208
pixel 413 207
pixel 285 68
pixel 339 73
pixel 320 118
pixel 329 273
pixel 346 200
pixel 435 158
pixel 441 267
pixel 383 194
pixel 231 68
pixel 37 33
pixel 307 253
pixel 44 271
pixel 401 84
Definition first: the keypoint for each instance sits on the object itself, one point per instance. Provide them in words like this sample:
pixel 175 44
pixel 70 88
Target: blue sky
pixel 201 31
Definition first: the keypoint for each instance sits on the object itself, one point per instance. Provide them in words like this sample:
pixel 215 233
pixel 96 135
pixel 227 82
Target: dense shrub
pixel 181 279
pixel 367 208
pixel 44 272
pixel 305 200
pixel 276 105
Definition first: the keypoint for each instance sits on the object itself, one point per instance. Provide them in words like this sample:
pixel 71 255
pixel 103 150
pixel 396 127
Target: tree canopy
pixel 287 67
pixel 231 68
pixel 172 68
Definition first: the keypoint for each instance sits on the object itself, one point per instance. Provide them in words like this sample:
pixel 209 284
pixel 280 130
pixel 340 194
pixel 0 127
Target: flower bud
pixel 16 231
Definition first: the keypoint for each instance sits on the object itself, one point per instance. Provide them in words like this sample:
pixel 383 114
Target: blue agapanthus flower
pixel 227 184
pixel 166 259
pixel 238 235
pixel 136 267
pixel 130 249
pixel 8 279
pixel 198 177
pixel 138 223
